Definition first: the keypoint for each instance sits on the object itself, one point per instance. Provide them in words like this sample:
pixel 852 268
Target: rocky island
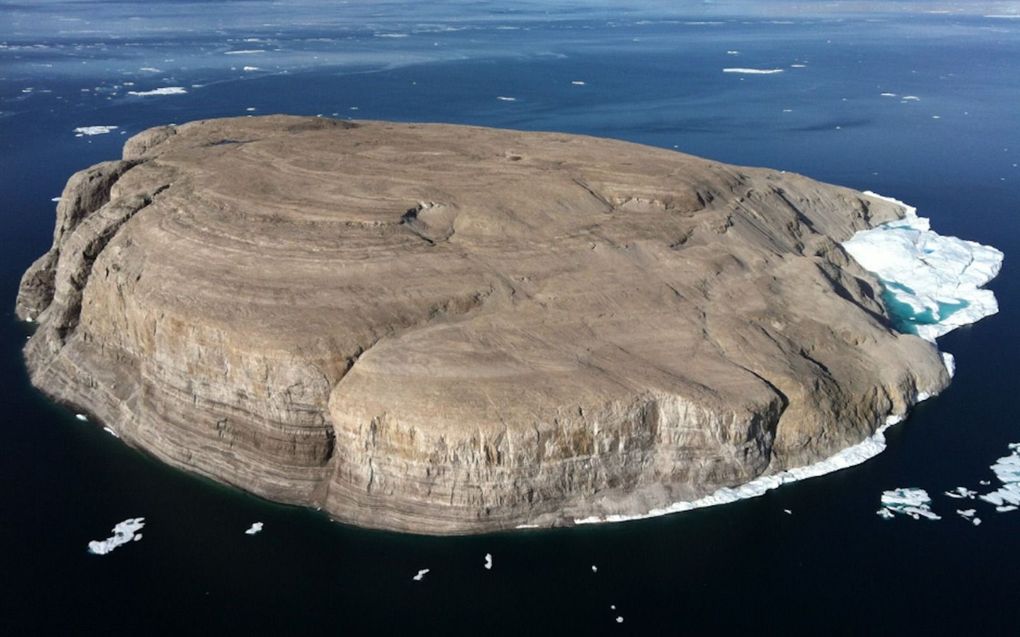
pixel 447 329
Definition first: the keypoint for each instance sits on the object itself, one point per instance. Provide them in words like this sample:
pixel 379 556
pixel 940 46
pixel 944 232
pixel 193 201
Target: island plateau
pixel 448 329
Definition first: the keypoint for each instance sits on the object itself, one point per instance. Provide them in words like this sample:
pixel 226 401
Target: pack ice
pixel 932 283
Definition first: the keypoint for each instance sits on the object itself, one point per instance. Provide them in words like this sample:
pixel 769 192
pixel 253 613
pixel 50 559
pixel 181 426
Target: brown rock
pixel 448 329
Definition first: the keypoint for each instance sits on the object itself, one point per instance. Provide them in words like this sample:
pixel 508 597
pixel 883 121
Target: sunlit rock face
pixel 446 329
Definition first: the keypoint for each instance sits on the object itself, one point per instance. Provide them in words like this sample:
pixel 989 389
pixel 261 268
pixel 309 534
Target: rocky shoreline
pixel 446 329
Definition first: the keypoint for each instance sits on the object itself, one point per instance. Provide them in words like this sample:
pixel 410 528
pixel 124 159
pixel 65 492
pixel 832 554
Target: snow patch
pixel 124 532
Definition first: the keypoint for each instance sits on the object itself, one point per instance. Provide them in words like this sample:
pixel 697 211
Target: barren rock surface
pixel 446 329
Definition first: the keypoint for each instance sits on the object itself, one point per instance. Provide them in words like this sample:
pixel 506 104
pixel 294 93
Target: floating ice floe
pixel 165 90
pixel 970 515
pixel 1007 470
pixel 932 283
pixel 254 528
pixel 92 130
pixel 421 575
pixel 752 71
pixel 911 502
pixel 488 561
pixel 124 532
pixel 961 493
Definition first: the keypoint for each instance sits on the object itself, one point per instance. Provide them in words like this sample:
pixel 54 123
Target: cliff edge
pixel 449 329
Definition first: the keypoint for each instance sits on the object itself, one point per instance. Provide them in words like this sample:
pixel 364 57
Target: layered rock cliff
pixel 446 329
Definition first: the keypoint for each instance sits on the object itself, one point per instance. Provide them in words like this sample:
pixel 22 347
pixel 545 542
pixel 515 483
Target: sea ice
pixel 961 493
pixel 912 502
pixel 752 71
pixel 421 575
pixel 93 130
pixel 932 283
pixel 124 532
pixel 254 528
pixel 1007 470
pixel 165 90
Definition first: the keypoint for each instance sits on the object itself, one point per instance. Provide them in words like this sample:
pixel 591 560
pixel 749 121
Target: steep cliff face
pixel 447 329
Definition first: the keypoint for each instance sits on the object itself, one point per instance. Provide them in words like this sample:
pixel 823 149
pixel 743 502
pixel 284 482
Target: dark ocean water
pixel 832 567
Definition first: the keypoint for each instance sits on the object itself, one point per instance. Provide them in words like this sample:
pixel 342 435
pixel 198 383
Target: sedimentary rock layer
pixel 446 329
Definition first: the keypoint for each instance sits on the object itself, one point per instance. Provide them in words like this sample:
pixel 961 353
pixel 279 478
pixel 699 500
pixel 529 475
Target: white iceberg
pixel 124 532
pixel 165 90
pixel 914 503
pixel 932 283
pixel 93 130
pixel 254 528
pixel 752 71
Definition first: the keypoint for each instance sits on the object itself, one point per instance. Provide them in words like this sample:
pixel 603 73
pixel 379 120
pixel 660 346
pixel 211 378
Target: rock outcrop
pixel 446 329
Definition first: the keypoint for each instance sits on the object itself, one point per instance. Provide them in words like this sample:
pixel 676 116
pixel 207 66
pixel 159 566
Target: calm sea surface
pixel 830 567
